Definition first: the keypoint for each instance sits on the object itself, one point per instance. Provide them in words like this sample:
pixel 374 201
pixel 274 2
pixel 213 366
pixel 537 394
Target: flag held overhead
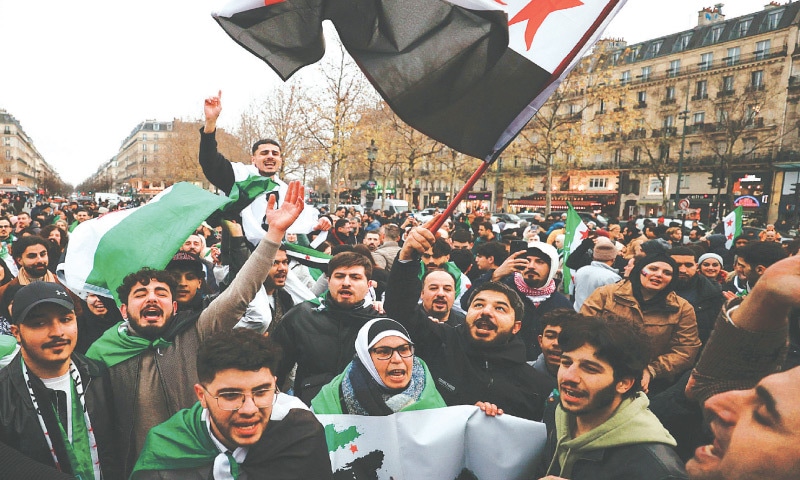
pixel 454 70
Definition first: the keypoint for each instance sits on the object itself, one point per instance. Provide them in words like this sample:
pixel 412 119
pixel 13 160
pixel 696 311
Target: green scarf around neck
pixel 116 345
pixel 181 442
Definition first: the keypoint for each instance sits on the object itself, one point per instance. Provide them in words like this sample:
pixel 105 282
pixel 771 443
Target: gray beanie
pixel 604 250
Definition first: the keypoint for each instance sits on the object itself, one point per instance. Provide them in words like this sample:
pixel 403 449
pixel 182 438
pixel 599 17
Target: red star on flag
pixel 308 257
pixel 729 223
pixel 536 11
pixel 584 234
pixel 730 236
pixel 353 448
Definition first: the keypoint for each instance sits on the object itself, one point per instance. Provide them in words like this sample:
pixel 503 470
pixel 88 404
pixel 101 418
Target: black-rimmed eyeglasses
pixel 385 353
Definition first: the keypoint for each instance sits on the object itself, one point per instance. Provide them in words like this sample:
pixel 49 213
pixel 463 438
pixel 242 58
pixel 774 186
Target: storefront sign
pixel 746 201
pixel 479 196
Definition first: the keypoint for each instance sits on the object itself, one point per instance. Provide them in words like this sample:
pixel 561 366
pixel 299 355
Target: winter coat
pixel 672 331
pixel 19 423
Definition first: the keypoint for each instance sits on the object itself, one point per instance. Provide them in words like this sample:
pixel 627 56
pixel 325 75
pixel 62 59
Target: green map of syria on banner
pixel 444 443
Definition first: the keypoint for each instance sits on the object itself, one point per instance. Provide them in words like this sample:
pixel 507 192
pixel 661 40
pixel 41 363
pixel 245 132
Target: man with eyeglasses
pixel 151 355
pixel 266 161
pixel 241 427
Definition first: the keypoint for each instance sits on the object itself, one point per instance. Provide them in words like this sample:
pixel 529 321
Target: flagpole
pixel 459 196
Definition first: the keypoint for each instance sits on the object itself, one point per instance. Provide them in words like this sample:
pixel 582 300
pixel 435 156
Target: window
pixel 144 171
pixel 156 126
pixel 670 93
pixel 144 159
pixel 617 155
pixel 597 182
pixel 144 137
pixel 8 153
pixel 741 28
pixel 633 52
pixel 684 179
pixel 762 49
pixel 144 147
pixel 626 77
pixel 7 141
pixel 701 90
pixel 155 147
pixel 757 79
pixel 7 130
pixel 752 113
pixel 682 43
pixel 646 73
pixel 699 118
pixel 637 154
pixel 663 151
pixel 727 83
pixel 694 148
pixel 602 107
pixel 706 60
pixel 669 121
pixel 641 97
pixel 674 68
pixel 713 35
pixel 733 56
pixel 722 115
pixel 772 20
pixel 653 49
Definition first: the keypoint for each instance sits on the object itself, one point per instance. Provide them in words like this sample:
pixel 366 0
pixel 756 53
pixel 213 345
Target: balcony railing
pixel 725 93
pixel 669 101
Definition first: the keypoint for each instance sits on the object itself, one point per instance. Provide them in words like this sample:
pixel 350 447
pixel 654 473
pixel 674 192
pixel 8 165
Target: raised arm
pixel 216 167
pixel 749 340
pixel 226 310
pixel 404 286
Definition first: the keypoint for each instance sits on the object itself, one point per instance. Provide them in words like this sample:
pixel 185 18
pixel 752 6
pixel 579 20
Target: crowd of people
pixel 669 356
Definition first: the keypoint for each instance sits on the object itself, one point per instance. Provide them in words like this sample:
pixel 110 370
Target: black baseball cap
pixel 35 294
pixel 186 261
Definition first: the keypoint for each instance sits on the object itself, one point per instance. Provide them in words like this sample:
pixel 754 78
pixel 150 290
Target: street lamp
pixel 684 115
pixel 371 184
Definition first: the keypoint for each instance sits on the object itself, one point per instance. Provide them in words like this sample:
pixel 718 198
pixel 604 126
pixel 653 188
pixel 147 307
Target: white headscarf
pixel 373 332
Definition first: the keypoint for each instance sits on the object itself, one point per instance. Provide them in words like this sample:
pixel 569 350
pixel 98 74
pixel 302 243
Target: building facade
pixel 22 165
pixel 717 103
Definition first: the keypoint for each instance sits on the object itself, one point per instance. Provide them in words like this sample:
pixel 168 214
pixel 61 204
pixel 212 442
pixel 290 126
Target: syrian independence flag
pixel 467 73
pixel 104 250
pixel 309 257
pixel 442 443
pixel 576 232
pixel 733 226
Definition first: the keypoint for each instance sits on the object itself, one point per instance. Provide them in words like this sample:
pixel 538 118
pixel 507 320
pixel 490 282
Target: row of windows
pixel 714 35
pixel 733 57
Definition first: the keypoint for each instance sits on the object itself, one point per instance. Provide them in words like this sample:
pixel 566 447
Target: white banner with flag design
pixel 444 443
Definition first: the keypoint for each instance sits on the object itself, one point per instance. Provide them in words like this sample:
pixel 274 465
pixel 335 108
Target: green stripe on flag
pixel 307 256
pixel 151 235
pixel 572 228
pixel 244 192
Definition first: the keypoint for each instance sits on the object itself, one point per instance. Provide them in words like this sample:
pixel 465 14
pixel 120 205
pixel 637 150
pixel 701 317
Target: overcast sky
pixel 80 75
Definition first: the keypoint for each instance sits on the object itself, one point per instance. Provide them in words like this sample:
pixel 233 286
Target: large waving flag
pixel 468 73
pixel 733 226
pixel 576 232
pixel 104 250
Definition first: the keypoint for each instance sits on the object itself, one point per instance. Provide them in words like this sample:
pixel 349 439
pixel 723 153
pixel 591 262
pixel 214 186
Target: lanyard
pixel 78 392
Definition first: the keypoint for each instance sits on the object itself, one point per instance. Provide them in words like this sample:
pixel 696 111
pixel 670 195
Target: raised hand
pixel 282 218
pixel 212 106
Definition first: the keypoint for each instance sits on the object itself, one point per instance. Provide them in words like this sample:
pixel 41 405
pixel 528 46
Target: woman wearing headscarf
pixel 647 297
pixel 384 377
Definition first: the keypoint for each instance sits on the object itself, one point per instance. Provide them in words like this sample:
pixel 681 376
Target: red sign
pixel 746 201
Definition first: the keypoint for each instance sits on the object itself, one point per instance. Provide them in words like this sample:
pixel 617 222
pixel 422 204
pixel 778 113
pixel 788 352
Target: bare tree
pixel 332 112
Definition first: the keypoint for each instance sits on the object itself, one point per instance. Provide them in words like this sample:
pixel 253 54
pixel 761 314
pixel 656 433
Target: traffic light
pixel 713 182
pixel 721 181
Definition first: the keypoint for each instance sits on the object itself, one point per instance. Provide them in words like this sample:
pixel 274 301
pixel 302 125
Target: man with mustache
pixel 55 404
pixel 602 427
pixel 30 253
pixel 152 355
pixel 481 361
pixel 531 274
pixel 319 335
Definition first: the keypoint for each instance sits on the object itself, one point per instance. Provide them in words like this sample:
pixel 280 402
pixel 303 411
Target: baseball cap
pixel 186 261
pixel 35 294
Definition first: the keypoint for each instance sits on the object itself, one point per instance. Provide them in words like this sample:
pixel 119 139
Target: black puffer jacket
pixel 19 424
pixel 464 372
pixel 321 340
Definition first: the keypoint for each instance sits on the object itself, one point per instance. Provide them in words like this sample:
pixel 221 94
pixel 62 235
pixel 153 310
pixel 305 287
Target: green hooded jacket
pixel 631 424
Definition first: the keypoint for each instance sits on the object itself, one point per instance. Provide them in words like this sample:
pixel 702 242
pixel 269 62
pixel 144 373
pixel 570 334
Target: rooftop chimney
pixel 709 15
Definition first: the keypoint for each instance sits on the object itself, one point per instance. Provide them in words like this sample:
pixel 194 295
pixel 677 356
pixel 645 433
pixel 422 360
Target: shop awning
pixel 557 204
